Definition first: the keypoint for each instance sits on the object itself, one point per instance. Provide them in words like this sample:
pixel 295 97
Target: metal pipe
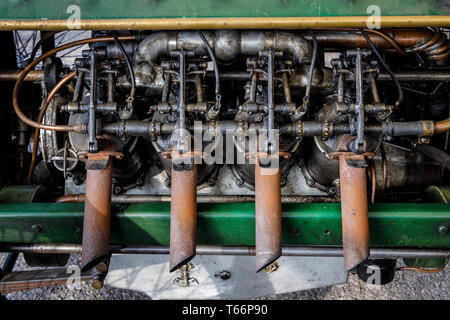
pixel 226 44
pixel 225 23
pixel 134 198
pixel 267 215
pixel 183 216
pixel 305 128
pixel 97 212
pixel 13 75
pixel 305 251
pixel 349 38
pixel 355 218
pixel 413 76
pixel 416 76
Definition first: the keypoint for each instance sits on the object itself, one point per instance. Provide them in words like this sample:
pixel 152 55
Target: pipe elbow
pixel 294 46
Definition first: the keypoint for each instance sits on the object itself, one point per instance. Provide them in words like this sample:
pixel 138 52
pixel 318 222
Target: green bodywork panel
pixel 140 9
pixel 404 224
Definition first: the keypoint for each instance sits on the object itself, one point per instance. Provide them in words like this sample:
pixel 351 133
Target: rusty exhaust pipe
pixel 267 215
pixel 183 215
pixel 97 212
pixel 355 220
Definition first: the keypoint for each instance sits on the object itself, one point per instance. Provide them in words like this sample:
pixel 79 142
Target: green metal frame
pixel 400 224
pixel 144 9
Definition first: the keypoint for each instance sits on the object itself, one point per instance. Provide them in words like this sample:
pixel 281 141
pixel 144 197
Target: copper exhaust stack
pixel 355 220
pixel 97 212
pixel 183 215
pixel 267 215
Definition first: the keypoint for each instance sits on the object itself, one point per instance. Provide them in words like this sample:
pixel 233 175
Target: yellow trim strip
pixel 226 23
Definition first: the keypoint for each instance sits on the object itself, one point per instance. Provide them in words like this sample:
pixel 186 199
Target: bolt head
pixel 36 228
pixel 97 284
pixel 443 229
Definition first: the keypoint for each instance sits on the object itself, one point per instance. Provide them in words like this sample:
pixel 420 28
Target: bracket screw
pixel 443 229
pixel 211 181
pixel 36 228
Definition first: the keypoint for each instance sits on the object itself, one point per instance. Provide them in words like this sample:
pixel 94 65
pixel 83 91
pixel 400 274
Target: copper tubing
pixel 401 38
pixel 44 56
pixel 443 126
pixel 50 96
pixel 183 217
pixel 13 75
pixel 267 215
pixel 97 216
pixel 355 221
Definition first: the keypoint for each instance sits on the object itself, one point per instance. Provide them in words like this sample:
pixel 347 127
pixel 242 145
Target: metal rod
pixel 92 146
pixel 360 144
pixel 316 251
pixel 416 76
pixel 225 23
pixel 382 76
pixel 181 120
pixel 13 75
pixel 141 198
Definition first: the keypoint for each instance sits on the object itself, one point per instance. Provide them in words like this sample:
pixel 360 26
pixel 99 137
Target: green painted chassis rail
pixel 413 225
pixel 145 9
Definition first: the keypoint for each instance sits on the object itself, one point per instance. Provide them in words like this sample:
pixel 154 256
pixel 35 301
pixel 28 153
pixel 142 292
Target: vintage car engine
pixel 270 117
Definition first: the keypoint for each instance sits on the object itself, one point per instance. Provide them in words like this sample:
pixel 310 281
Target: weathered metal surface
pixel 222 277
pixel 13 75
pixel 97 214
pixel 141 198
pixel 355 220
pixel 32 279
pixel 391 224
pixel 183 217
pixel 113 9
pixel 267 215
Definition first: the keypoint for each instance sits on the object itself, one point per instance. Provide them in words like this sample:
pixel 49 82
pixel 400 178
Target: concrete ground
pixel 407 285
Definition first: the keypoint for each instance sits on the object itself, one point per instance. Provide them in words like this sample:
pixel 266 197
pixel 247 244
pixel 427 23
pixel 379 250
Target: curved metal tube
pixel 226 44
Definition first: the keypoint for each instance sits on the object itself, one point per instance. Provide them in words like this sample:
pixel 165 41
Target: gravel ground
pixel 408 285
